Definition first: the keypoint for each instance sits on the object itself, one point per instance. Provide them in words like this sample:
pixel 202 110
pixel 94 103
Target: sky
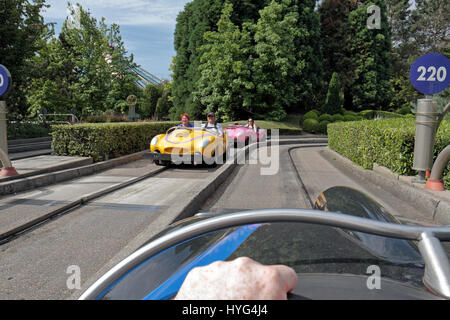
pixel 146 26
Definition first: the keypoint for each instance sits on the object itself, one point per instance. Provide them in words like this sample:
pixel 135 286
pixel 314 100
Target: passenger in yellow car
pixel 185 121
pixel 213 125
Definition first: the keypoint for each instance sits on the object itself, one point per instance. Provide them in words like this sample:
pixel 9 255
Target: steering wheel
pixel 226 221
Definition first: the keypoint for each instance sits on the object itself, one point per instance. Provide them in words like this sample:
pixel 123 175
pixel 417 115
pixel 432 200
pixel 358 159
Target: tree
pixel 150 98
pixel 335 98
pixel 225 83
pixel 85 68
pixel 403 48
pixel 278 65
pixel 197 18
pixel 308 46
pixel 370 50
pixel 431 28
pixel 23 32
pixel 335 41
pixel 164 103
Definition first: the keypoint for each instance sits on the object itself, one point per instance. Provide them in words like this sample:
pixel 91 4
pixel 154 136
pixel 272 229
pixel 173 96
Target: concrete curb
pixel 44 179
pixel 185 208
pixel 80 201
pixel 60 167
pixel 438 208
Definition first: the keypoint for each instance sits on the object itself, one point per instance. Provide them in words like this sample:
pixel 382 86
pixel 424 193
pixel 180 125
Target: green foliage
pixel 106 118
pixel 105 141
pixel 225 84
pixel 323 127
pixel 335 98
pixel 337 118
pixel 370 51
pixel 277 63
pixel 197 18
pixel 164 103
pixel 348 113
pixel 350 118
pixel 311 125
pixel 23 32
pixel 430 25
pixel 149 100
pixel 86 69
pixel 371 114
pixel 313 114
pixel 389 143
pixel 27 130
pixel 326 117
pixel 335 31
pixel 243 65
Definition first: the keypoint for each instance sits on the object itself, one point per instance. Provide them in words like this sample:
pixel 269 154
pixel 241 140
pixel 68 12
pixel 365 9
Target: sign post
pixel 429 74
pixel 5 86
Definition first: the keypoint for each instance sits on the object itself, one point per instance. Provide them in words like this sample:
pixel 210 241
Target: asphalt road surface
pixel 35 265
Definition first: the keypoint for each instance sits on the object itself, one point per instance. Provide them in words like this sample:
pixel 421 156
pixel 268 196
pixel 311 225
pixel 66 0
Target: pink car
pixel 240 135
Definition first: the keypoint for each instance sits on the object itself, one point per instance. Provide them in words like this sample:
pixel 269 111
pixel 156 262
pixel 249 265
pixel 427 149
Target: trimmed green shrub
pixel 350 118
pixel 371 114
pixel 404 110
pixel 335 98
pixel 387 115
pixel 311 125
pixel 106 118
pixel 389 143
pixel 27 130
pixel 106 141
pixel 326 117
pixel 349 113
pixel 367 114
pixel 338 118
pixel 323 127
pixel 313 114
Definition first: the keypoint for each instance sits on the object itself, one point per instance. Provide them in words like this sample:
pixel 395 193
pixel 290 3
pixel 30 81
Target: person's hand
pixel 241 279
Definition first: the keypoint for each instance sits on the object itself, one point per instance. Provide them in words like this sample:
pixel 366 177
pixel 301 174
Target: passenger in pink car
pixel 252 125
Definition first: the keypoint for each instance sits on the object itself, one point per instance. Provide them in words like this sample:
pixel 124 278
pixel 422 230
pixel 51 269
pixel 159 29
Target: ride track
pixel 429 239
pixel 74 205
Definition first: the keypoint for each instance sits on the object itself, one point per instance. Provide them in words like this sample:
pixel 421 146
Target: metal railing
pixel 45 118
pixel 437 266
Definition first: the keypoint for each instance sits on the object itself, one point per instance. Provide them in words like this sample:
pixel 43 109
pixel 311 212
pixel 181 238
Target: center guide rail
pixel 437 266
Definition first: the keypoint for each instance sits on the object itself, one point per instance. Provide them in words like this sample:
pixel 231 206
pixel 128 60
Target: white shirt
pixel 214 127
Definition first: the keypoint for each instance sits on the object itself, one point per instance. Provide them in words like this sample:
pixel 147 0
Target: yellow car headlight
pixel 154 141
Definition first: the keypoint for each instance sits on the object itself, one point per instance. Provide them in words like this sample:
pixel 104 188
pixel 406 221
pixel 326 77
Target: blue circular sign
pixel 430 74
pixel 5 80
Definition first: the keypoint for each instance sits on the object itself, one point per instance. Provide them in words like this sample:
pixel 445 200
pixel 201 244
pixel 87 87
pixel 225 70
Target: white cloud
pixel 124 12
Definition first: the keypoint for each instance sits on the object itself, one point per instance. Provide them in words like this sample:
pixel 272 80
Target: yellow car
pixel 188 146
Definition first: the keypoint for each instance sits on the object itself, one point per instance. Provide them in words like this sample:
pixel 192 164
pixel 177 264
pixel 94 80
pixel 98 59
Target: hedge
pixel 371 114
pixel 388 142
pixel 105 141
pixel 27 130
